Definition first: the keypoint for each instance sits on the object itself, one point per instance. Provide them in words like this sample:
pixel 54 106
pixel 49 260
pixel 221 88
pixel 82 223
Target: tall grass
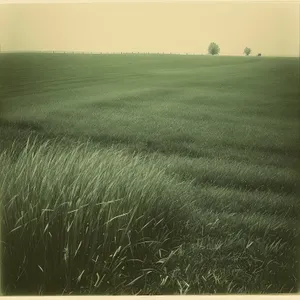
pixel 81 219
pixel 92 220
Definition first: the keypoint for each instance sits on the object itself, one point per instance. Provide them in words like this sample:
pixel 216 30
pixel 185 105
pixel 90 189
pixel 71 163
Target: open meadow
pixel 149 174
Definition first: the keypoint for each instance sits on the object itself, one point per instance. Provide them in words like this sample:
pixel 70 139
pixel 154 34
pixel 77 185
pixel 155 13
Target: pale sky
pixel 178 27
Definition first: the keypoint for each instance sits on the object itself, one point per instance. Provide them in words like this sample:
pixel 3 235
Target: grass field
pixel 149 174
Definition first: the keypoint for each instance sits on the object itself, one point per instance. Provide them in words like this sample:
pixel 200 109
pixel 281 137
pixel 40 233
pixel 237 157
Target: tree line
pixel 214 49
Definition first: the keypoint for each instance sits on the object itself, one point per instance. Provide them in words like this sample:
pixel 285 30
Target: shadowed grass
pixel 103 202
pixel 81 220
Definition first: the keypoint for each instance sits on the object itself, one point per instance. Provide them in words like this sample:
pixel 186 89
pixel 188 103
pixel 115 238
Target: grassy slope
pixel 228 124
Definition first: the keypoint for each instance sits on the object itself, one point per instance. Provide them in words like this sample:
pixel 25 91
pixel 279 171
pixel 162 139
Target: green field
pixel 149 174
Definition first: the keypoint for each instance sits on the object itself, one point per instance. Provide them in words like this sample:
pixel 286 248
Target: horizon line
pixel 139 52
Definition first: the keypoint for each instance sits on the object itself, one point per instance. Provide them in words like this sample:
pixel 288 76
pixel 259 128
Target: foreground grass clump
pixel 81 218
pixel 90 221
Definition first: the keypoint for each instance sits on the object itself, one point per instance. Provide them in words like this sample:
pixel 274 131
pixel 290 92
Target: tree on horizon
pixel 247 51
pixel 213 48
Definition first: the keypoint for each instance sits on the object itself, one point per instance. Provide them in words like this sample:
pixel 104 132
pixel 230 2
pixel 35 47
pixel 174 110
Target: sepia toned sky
pixel 178 27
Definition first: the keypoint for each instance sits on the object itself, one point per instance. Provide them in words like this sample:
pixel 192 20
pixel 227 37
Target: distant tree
pixel 259 54
pixel 247 51
pixel 213 48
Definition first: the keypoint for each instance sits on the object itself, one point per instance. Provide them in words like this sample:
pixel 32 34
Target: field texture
pixel 149 174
